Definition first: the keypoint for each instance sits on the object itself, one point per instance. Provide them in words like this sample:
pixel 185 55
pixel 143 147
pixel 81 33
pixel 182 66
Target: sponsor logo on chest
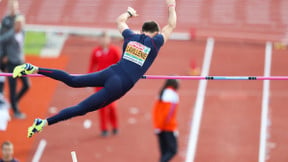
pixel 136 52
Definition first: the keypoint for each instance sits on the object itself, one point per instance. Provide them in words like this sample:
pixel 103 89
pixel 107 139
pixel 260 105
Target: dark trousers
pixel 2 79
pixel 114 84
pixel 2 69
pixel 168 145
pixel 14 96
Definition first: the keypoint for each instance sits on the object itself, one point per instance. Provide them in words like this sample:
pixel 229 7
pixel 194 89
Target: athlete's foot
pixel 24 69
pixel 37 126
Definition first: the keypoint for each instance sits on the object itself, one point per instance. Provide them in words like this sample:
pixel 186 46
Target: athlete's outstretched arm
pixel 122 19
pixel 172 19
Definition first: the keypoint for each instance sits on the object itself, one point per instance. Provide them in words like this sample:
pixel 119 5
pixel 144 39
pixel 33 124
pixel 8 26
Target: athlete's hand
pixel 132 11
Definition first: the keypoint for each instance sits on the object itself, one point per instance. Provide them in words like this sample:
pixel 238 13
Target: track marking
pixel 198 107
pixel 74 156
pixel 265 104
pixel 38 154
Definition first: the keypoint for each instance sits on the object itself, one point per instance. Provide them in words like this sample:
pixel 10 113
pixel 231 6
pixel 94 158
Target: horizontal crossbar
pixel 189 77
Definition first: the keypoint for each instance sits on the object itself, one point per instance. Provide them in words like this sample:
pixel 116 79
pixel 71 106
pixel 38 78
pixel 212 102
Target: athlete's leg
pixel 115 87
pixel 113 90
pixel 92 103
pixel 88 80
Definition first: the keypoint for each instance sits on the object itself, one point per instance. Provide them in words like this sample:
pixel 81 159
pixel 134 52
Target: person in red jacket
pixel 102 57
pixel 164 119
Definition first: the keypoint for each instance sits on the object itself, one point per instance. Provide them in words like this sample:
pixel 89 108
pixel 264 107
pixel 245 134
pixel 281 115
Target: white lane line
pixel 265 104
pixel 38 154
pixel 198 107
pixel 74 156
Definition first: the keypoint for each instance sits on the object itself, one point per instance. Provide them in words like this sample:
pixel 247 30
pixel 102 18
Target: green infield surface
pixel 34 42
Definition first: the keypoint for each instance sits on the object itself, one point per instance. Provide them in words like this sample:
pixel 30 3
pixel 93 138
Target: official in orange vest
pixel 164 119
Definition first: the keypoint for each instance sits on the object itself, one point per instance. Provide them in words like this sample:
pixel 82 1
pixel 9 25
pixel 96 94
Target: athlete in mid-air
pixel 139 52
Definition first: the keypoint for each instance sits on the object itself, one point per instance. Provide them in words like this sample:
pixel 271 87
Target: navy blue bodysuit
pixel 139 52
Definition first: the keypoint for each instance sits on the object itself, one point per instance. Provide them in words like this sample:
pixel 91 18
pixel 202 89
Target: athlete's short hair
pixel 150 26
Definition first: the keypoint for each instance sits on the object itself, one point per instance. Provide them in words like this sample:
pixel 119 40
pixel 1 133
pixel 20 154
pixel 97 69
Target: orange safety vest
pixel 164 115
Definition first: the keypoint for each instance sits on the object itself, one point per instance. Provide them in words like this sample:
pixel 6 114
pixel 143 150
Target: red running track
pixel 230 127
pixel 231 117
pixel 278 113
